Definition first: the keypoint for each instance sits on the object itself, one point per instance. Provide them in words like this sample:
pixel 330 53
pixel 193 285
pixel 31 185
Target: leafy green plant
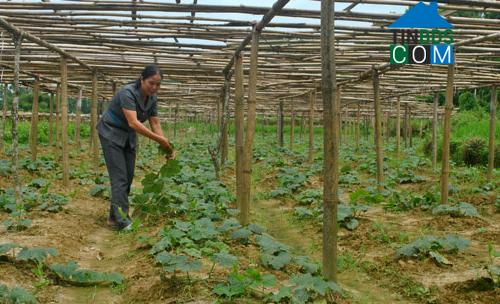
pixel 16 295
pixel 71 273
pixel 459 210
pixel 305 289
pixel 172 263
pixel 431 246
pixel 273 253
pixel 407 201
pixel 366 196
pixel 310 196
pixel 493 269
pixel 238 283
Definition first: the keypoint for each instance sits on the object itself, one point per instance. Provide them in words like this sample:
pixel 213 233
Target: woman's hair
pixel 149 70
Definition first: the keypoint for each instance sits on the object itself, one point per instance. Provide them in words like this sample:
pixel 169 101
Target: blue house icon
pixel 422 16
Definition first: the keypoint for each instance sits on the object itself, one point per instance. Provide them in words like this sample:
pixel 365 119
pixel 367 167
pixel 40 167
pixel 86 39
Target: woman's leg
pixel 117 166
pixel 130 154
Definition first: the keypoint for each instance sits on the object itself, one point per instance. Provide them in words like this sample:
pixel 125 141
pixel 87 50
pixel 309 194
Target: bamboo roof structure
pixel 116 39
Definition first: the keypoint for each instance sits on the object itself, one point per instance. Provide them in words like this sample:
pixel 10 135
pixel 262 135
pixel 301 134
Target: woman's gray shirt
pixel 113 123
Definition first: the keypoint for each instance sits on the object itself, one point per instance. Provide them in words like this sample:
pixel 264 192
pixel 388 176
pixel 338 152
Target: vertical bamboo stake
pixel 281 124
pixel 51 119
pixel 421 129
pixel 34 120
pixel 225 119
pixel 410 130
pixel 405 126
pixel 358 114
pixel 292 124
pixel 301 128
pixel 176 113
pixel 338 105
pixel 387 127
pixel 15 102
pixel 93 118
pixel 378 129
pixel 252 104
pixel 58 122
pixel 445 166
pixel 4 117
pixel 330 140
pixel 491 145
pixel 78 119
pixel 312 100
pixel 398 126
pixel 239 132
pixel 64 120
pixel 434 130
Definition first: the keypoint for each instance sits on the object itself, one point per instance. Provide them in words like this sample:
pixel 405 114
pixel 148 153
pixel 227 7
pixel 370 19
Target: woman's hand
pixel 165 143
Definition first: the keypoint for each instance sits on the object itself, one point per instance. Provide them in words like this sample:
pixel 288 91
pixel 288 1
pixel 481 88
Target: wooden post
pixel 421 128
pixel 252 103
pixel 292 123
pixel 93 119
pixel 378 130
pixel 398 126
pixel 52 97
pixel 281 124
pixel 4 117
pixel 338 105
pixel 301 128
pixel 445 169
pixel 176 113
pixel 225 120
pixel 434 130
pixel 312 101
pixel 58 123
pixel 64 120
pixel 358 114
pixel 239 132
pixel 331 118
pixel 34 120
pixel 410 130
pixel 15 102
pixel 78 119
pixel 405 126
pixel 387 126
pixel 491 145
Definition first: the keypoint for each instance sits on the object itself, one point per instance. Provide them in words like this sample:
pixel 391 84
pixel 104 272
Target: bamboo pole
pixel 378 130
pixel 58 123
pixel 292 123
pixel 15 103
pixel 239 132
pixel 358 113
pixel 338 105
pixel 251 121
pixel 405 127
pixel 93 120
pixel 281 124
pixel 330 140
pixel 445 166
pixel 34 119
pixel 491 143
pixel 434 130
pixel 410 130
pixel 387 127
pixel 4 117
pixel 78 119
pixel 225 120
pixel 176 113
pixel 51 119
pixel 64 120
pixel 398 127
pixel 312 100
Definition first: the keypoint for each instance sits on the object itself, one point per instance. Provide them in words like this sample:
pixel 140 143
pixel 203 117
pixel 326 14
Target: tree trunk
pixel 491 145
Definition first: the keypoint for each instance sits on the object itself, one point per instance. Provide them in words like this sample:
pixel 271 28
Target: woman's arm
pixel 154 121
pixel 140 128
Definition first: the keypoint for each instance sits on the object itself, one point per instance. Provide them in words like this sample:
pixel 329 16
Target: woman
pixel 129 109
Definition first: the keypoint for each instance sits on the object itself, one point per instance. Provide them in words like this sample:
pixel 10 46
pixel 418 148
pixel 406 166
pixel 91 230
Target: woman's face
pixel 151 85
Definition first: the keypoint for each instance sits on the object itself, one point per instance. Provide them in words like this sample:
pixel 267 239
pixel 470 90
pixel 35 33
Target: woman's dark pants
pixel 120 162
